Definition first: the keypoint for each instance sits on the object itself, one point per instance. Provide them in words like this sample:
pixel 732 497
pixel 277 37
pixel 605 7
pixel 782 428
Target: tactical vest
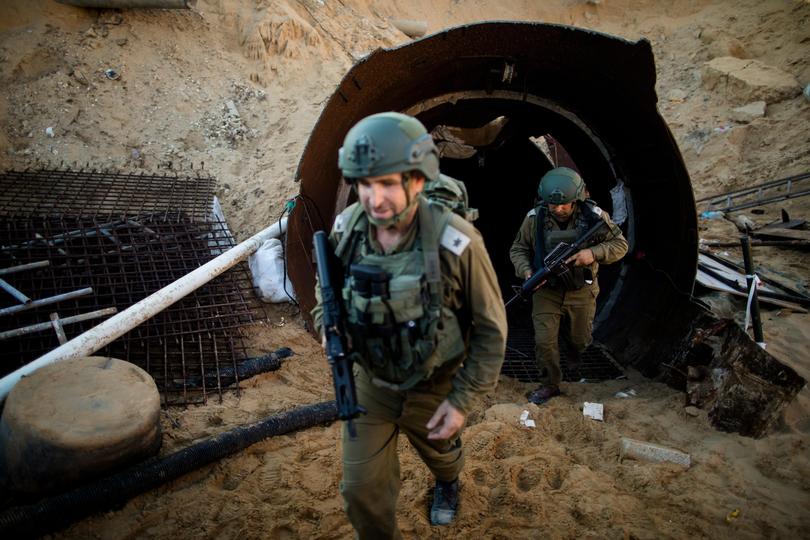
pixel 400 329
pixel 547 238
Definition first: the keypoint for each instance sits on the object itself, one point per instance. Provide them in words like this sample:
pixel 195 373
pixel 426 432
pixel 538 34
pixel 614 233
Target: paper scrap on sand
pixel 626 393
pixel 594 410
pixel 525 420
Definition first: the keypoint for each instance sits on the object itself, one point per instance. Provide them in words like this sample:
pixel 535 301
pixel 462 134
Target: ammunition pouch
pixel 400 331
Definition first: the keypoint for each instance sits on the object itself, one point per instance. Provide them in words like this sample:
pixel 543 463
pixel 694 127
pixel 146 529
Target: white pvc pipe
pixel 118 325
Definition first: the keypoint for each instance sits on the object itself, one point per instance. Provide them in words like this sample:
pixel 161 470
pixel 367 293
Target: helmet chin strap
pixel 393 220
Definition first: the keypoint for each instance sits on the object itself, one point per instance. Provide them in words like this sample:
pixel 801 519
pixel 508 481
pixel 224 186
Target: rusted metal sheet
pixel 722 370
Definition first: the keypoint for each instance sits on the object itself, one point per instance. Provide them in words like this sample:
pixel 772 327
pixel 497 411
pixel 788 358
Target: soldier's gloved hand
pixel 445 422
pixel 583 257
pixel 527 274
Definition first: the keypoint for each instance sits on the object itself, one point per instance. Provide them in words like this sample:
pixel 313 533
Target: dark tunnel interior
pixel 590 96
pixel 502 176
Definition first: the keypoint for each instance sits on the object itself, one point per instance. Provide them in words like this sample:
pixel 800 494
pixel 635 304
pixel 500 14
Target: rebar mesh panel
pixel 595 363
pixel 91 194
pixel 124 258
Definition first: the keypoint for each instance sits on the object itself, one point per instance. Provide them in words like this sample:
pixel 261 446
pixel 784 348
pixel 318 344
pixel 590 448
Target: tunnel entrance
pixel 502 174
pixel 501 161
pixel 525 84
pixel 516 89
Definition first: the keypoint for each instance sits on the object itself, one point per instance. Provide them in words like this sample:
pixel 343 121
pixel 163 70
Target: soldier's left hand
pixel 583 257
pixel 445 422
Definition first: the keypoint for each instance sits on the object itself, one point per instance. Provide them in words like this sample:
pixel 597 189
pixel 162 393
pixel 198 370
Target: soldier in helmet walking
pixel 566 304
pixel 425 319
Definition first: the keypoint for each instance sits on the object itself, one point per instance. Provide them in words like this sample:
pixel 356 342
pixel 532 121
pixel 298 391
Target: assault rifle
pixel 333 329
pixel 554 264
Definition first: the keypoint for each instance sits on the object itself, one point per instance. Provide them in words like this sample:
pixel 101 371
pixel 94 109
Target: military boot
pixel 445 502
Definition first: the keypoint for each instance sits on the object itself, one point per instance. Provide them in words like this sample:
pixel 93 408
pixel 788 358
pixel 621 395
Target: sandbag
pixel 269 278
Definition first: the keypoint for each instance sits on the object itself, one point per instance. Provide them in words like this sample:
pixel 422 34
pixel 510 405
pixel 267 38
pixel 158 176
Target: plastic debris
pixel 626 393
pixel 712 214
pixel 267 266
pixel 731 516
pixel 112 74
pixel 595 411
pixel 49 131
pixel 617 196
pixel 743 223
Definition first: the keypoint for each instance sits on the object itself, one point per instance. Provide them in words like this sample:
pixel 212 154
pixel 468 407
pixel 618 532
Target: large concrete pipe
pixel 594 94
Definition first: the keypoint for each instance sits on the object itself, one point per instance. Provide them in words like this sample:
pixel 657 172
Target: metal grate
pixel 127 238
pixel 595 364
pixel 92 193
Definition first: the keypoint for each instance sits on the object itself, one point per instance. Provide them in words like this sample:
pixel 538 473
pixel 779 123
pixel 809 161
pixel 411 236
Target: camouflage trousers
pixel 371 477
pixel 568 312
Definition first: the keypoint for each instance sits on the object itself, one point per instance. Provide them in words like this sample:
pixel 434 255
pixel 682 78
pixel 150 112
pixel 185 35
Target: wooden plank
pixel 731 274
pixel 710 282
pixel 792 224
pixel 769 276
pixel 782 233
pixel 757 242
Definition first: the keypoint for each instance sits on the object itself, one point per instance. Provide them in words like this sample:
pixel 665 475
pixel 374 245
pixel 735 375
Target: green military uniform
pixel 555 304
pixel 402 393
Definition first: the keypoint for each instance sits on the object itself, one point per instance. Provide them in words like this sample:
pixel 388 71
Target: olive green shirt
pixel 609 247
pixel 470 289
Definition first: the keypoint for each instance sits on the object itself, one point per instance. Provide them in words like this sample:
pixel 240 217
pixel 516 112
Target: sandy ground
pixel 278 62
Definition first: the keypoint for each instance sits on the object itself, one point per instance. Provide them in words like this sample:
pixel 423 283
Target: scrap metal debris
pixel 790 187
pixel 719 273
pixel 742 387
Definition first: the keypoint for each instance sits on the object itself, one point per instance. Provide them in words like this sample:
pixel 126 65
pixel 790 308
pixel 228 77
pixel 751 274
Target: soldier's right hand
pixel 527 274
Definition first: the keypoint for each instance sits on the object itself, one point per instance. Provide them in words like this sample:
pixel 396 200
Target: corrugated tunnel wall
pixel 589 94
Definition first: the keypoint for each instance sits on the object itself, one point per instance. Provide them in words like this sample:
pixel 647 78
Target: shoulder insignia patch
pixel 454 240
pixel 597 210
pixel 532 212
pixel 339 223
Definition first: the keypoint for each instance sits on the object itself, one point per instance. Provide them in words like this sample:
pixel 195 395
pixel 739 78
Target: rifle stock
pixel 333 329
pixel 553 264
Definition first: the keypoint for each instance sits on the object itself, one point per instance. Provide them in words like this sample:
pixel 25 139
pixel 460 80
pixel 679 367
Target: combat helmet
pixel 560 186
pixel 387 143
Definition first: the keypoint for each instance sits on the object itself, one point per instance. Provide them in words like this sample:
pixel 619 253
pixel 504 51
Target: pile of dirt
pixel 236 86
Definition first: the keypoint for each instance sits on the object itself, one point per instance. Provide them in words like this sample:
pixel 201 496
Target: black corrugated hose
pixel 56 512
pixel 245 369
